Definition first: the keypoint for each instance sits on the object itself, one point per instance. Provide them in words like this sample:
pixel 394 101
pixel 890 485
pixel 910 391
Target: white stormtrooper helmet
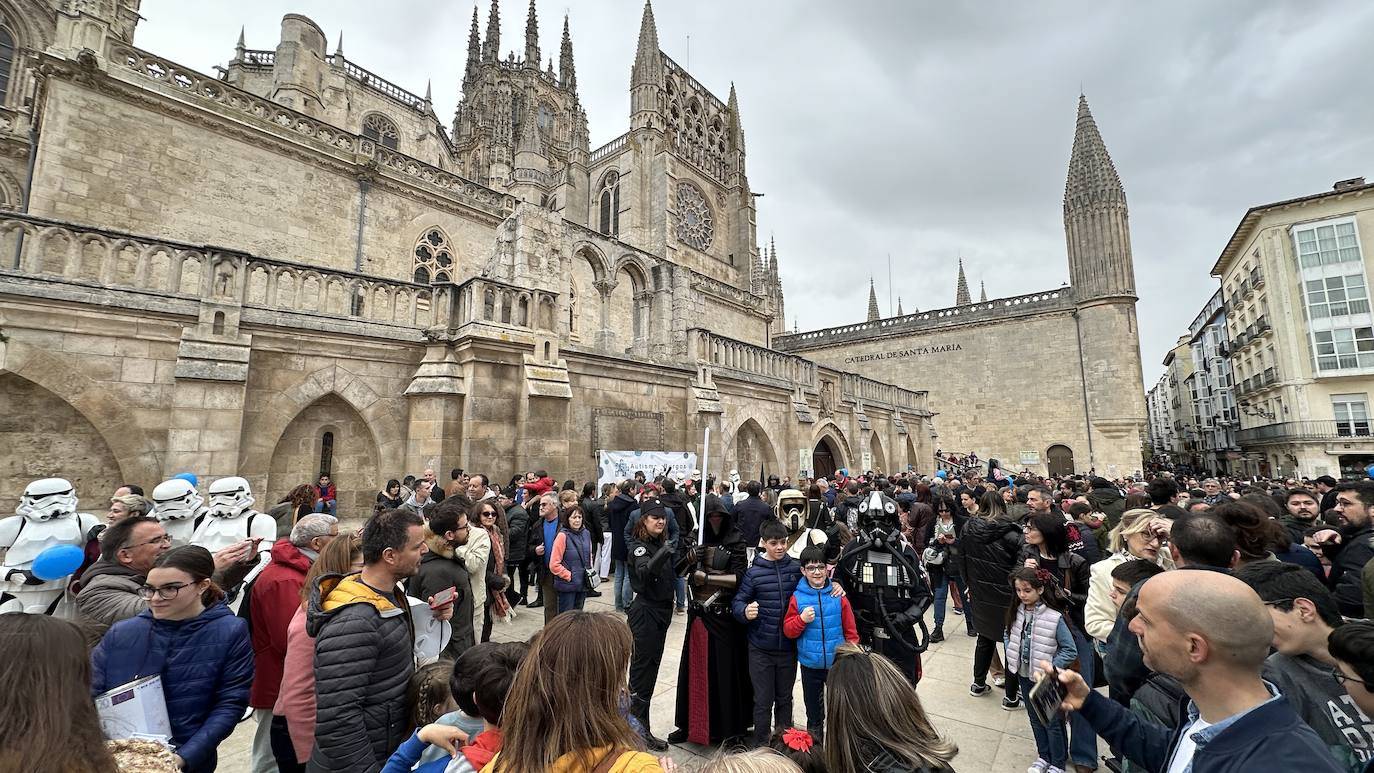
pixel 176 499
pixel 47 499
pixel 229 498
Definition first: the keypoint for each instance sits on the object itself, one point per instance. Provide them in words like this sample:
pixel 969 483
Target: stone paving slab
pixel 989 738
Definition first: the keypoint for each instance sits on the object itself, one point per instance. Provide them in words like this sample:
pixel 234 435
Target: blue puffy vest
pixel 816 646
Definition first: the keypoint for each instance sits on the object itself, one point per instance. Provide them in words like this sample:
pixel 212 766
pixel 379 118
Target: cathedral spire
pixel 900 313
pixel 961 296
pixel 474 47
pixel 1096 219
pixel 872 302
pixel 736 126
pixel 647 60
pixel 239 47
pixel 982 291
pixel 567 72
pixel 529 134
pixel 532 38
pixel 338 47
pixel 491 48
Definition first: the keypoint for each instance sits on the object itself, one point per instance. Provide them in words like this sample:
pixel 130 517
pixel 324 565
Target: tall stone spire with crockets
pixel 567 72
pixel 491 47
pixel 532 38
pixel 872 302
pixel 1096 221
pixel 982 291
pixel 646 79
pixel 474 48
pixel 961 296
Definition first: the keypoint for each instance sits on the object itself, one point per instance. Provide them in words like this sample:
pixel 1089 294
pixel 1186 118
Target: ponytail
pixel 197 562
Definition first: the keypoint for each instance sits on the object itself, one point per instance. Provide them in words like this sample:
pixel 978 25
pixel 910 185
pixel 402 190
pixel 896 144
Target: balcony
pixel 1256 277
pixel 1262 325
pixel 1298 431
pixel 1270 376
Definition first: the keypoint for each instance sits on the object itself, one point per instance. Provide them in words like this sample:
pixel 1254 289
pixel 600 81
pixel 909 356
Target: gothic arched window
pixel 381 130
pixel 433 258
pixel 6 62
pixel 327 453
pixel 695 224
pixel 610 204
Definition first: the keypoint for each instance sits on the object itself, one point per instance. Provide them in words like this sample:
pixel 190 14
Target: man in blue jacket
pixel 1211 632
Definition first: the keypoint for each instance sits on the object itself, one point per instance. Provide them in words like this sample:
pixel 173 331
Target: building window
pixel 6 62
pixel 433 258
pixel 1352 414
pixel 1344 348
pixel 1324 245
pixel 327 454
pixel 695 225
pixel 381 130
pixel 1336 296
pixel 610 205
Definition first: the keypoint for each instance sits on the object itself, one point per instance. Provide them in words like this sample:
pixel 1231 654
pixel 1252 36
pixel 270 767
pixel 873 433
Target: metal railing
pixel 1286 431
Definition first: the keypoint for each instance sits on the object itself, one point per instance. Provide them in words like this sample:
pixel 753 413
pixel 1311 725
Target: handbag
pixel 933 556
pixel 591 578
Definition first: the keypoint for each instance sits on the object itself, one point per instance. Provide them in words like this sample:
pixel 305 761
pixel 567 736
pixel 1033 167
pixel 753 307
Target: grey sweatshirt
pixel 1323 704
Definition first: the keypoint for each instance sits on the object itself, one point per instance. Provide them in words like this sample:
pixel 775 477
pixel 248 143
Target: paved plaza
pixel 989 738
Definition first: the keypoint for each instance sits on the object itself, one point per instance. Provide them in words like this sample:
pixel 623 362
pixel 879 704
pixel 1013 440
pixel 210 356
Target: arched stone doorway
pixel 328 426
pixel 45 437
pixel 1059 458
pixel 825 459
pixel 875 450
pixel 751 453
pixel 911 453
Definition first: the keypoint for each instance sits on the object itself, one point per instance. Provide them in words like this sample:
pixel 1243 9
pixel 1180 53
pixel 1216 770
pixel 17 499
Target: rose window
pixel 694 222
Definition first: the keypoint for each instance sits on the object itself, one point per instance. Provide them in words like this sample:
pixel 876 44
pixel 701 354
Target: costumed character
pixel 46 518
pixel 738 492
pixel 180 508
pixel 229 519
pixel 887 589
pixel 715 696
pixel 807 521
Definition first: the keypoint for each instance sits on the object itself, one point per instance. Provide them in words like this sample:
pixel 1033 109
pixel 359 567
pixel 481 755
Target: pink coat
pixel 296 701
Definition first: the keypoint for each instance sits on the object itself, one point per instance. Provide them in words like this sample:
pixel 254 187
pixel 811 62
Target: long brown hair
pixel 871 708
pixel 47 719
pixel 566 695
pixel 304 494
pixel 336 558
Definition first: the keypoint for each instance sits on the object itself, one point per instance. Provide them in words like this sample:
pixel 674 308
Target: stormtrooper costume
pixel 46 517
pixel 229 519
pixel 180 508
pixel 887 588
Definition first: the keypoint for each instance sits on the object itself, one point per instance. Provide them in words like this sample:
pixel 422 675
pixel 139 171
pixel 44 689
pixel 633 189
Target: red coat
pixel 539 486
pixel 275 597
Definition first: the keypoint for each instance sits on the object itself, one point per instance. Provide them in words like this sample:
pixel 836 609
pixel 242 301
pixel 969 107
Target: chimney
pixel 1345 185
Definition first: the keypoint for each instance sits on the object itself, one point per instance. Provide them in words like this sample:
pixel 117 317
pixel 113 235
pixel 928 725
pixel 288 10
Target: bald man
pixel 1211 632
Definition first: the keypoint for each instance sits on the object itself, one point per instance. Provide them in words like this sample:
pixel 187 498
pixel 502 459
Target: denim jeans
pixel 1049 741
pixel 330 506
pixel 942 593
pixel 570 600
pixel 1082 738
pixel 624 592
pixel 681 592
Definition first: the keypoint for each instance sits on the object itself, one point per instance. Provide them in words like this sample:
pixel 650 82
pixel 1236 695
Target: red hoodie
pixel 275 597
pixel 538 487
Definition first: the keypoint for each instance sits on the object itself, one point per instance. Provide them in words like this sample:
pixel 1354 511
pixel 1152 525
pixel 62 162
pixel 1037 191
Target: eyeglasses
pixel 814 568
pixel 166 592
pixel 162 539
pixel 1279 602
pixel 1340 676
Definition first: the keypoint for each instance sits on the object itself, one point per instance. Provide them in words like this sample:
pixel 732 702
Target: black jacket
pixel 677 502
pixel 988 549
pixel 594 512
pixel 364 656
pixel 439 571
pixel 842 508
pixel 517 534
pixel 652 572
pixel 749 516
pixel 1072 572
pixel 1347 561
pixel 1110 502
pixel 618 517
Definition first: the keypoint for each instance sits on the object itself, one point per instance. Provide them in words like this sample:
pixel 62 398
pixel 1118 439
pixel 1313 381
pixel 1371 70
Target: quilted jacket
pixel 771 583
pixel 988 549
pixel 206 664
pixel 108 593
pixel 364 657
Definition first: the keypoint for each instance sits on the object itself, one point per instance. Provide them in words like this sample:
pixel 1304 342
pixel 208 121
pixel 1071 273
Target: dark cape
pixel 715 697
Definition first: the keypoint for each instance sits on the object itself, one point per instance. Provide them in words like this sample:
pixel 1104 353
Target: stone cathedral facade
pixel 1047 380
pixel 295 266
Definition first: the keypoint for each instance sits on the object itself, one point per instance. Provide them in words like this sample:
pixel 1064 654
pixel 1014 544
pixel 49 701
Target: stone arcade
pixel 295 267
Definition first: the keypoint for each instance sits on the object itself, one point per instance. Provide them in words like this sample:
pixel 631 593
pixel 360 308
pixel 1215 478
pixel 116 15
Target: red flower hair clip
pixel 798 740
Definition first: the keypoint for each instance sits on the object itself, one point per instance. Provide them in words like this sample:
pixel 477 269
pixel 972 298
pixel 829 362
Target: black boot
pixel 937 635
pixel 537 603
pixel 640 709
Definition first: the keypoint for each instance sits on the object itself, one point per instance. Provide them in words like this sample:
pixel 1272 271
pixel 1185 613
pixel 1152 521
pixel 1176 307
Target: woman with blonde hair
pixel 872 712
pixel 563 712
pixel 1139 535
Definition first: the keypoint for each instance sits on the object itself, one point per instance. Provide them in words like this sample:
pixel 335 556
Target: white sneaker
pixel 1053 769
pixel 1001 681
pixel 1040 766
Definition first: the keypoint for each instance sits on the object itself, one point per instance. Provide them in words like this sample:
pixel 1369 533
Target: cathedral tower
pixel 1097 231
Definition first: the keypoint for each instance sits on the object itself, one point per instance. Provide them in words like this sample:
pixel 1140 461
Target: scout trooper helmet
pixel 46 499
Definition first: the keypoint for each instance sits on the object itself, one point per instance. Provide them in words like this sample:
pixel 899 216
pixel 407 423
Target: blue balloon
pixel 942 475
pixel 1369 471
pixel 189 477
pixel 57 562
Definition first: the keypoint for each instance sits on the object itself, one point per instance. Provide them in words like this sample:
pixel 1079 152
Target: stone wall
pixel 45 437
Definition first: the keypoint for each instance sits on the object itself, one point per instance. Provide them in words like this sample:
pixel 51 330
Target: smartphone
pixel 443 597
pixel 1046 697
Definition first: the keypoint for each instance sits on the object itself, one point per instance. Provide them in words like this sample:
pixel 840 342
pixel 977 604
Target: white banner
pixel 616 466
pixel 804 463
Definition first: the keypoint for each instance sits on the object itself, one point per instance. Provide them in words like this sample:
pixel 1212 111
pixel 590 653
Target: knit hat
pixel 1098 482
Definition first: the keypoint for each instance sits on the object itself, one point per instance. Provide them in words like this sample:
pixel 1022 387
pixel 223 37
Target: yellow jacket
pixel 627 762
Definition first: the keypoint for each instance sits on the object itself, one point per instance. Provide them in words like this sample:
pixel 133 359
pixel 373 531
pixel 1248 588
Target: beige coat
pixel 474 557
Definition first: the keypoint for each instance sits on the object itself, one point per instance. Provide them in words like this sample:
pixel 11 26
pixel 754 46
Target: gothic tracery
pixel 695 225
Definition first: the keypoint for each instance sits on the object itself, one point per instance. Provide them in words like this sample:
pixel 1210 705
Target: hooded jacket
pixel 421 510
pixel 1348 559
pixel 440 571
pixel 538 487
pixel 771 584
pixel 273 600
pixel 364 656
pixel 988 549
pixel 108 593
pixel 1109 501
pixel 618 514
pixel 206 665
pixel 517 533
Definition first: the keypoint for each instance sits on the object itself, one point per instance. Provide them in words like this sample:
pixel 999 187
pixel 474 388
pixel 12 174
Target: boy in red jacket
pixel 820 622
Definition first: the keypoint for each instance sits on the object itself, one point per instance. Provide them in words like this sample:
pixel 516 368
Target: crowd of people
pixel 1225 625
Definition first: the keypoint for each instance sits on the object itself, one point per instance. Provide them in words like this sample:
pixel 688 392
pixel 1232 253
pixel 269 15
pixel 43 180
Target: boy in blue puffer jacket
pixel 760 604
pixel 820 622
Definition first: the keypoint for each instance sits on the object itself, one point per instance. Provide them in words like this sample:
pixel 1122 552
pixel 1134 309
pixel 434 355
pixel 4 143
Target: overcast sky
pixel 930 131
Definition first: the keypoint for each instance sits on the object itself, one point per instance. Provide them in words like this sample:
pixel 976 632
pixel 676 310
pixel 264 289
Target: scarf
pixel 500 605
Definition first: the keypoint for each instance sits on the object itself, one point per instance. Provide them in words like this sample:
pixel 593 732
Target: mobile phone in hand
pixel 443 597
pixel 1046 697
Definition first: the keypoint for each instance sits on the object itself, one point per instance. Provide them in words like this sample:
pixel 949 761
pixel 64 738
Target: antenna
pixel 890 312
pixel 688 65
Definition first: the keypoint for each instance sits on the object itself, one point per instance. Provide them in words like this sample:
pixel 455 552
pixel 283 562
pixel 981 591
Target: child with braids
pixel 1038 629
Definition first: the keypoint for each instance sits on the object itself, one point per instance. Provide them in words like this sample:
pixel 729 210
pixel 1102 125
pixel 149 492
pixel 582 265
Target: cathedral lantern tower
pixel 1102 273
